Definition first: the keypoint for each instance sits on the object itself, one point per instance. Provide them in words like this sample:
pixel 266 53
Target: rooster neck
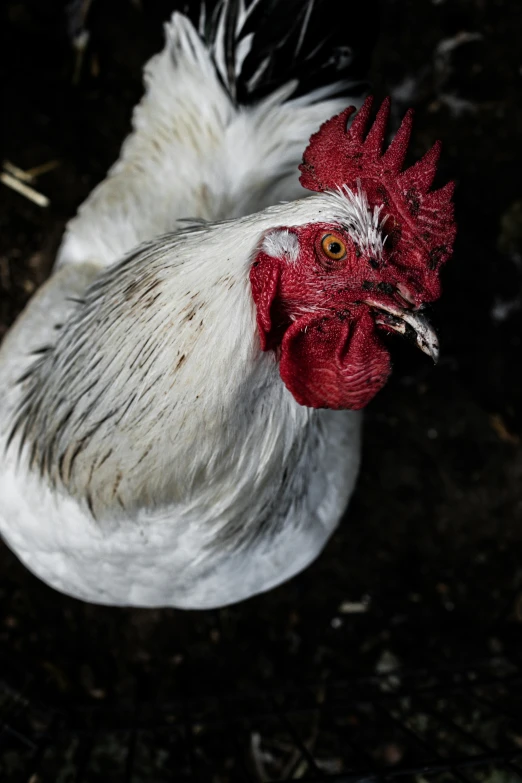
pixel 156 387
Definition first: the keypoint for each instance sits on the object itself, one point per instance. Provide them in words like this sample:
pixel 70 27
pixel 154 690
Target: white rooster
pixel 170 423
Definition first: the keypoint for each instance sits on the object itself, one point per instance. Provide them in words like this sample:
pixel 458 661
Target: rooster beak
pixel 410 324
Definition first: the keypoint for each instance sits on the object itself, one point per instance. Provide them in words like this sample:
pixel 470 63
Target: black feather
pixel 316 42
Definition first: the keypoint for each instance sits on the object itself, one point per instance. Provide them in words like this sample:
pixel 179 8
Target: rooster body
pixel 152 454
pixel 248 485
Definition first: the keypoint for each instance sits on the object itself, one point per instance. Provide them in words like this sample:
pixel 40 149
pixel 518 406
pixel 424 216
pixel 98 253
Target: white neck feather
pixel 163 356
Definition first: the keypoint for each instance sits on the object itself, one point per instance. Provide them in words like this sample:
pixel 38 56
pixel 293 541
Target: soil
pixel 432 543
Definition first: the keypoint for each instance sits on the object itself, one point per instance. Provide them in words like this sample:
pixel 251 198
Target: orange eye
pixel 333 247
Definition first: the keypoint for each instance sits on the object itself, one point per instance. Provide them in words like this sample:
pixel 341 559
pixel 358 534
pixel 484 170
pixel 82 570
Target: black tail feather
pixel 318 43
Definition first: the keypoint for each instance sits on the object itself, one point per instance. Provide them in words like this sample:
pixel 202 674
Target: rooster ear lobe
pixel 264 279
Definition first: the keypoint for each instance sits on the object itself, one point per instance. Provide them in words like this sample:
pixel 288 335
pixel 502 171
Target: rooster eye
pixel 333 247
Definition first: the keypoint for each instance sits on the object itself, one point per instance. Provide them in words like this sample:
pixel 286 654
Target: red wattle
pixel 333 362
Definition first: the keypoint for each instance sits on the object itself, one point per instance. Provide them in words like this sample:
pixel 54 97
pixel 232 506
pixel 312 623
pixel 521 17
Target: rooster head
pixel 326 291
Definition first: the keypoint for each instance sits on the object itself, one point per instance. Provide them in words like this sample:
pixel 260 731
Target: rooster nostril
pixel 386 288
pixel 406 294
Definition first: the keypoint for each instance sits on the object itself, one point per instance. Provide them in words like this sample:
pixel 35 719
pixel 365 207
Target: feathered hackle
pixel 420 225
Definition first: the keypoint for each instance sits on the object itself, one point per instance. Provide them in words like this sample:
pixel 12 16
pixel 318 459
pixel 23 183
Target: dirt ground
pixel 432 543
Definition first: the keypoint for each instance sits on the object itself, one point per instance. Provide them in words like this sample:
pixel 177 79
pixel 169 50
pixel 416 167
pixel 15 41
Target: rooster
pixel 179 403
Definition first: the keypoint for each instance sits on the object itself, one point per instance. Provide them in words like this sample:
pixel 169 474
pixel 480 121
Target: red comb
pixel 338 156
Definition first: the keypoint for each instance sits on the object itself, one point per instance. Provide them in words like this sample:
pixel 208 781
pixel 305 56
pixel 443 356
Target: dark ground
pixel 434 533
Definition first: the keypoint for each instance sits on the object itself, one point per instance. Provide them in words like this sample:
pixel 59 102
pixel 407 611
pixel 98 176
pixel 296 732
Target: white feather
pixel 365 225
pixel 281 243
pixel 193 153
